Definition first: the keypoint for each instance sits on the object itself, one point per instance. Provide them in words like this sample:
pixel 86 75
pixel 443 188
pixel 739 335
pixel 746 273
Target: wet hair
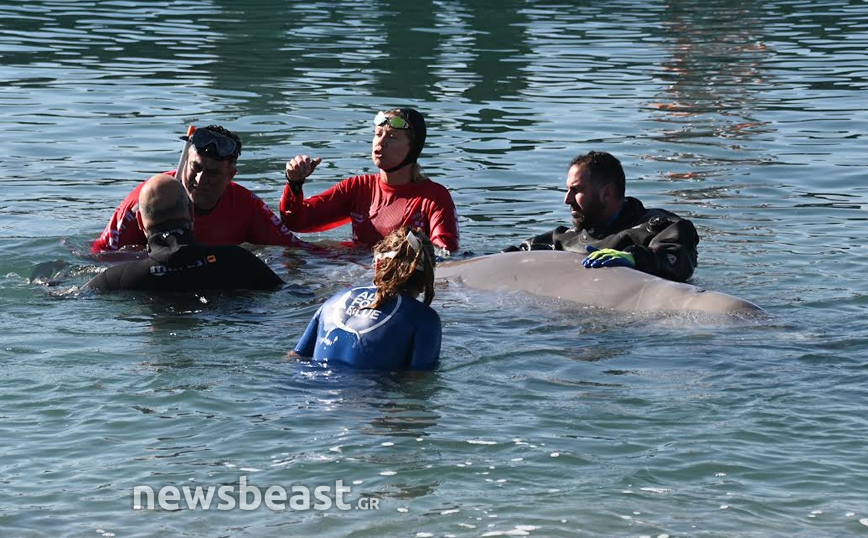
pixel 417 132
pixel 605 170
pixel 219 129
pixel 401 267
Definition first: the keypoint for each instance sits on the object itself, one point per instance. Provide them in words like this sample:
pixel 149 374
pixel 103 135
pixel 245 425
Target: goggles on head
pixel 395 122
pixel 223 146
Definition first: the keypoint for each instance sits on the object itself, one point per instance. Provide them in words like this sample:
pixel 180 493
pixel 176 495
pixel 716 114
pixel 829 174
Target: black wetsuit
pixel 176 262
pixel 661 242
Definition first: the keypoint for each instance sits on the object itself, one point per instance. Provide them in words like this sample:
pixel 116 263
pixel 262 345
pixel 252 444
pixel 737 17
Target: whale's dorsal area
pixel 561 274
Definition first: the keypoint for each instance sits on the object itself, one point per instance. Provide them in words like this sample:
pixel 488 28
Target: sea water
pixel 546 418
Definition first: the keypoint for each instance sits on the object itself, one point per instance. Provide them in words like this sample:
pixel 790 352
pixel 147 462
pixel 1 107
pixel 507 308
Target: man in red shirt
pixel 224 212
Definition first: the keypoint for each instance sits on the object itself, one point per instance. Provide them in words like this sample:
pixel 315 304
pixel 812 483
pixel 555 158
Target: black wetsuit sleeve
pixel 671 254
pixel 545 241
pixel 258 275
pixel 117 277
pixel 98 283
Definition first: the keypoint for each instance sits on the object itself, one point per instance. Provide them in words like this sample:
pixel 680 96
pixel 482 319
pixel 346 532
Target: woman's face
pixel 390 146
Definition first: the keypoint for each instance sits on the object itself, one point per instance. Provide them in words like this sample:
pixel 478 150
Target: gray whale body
pixel 560 274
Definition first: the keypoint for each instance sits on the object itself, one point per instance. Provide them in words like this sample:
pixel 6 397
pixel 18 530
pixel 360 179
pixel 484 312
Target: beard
pixel 578 221
pixel 589 217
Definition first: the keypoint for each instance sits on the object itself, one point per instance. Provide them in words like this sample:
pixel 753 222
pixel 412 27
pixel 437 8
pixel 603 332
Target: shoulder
pixel 127 275
pixel 435 188
pixel 363 179
pixel 133 197
pixel 234 189
pixel 231 251
pixel 238 197
pixel 421 311
pixel 635 207
pixel 340 295
pixel 433 192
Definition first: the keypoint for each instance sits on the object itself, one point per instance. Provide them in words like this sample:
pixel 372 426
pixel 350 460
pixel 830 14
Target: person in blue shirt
pixel 384 326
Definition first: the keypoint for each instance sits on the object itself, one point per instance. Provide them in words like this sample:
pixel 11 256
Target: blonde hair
pixel 404 263
pixel 416 173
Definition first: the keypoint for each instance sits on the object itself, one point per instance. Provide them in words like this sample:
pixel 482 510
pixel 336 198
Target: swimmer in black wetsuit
pixel 176 262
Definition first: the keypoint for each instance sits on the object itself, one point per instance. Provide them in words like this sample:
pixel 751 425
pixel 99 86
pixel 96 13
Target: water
pixel 545 419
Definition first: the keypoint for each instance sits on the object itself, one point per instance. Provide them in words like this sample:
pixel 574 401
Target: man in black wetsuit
pixel 176 262
pixel 618 230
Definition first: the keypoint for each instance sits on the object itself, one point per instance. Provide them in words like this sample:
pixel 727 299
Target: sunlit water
pixel 546 418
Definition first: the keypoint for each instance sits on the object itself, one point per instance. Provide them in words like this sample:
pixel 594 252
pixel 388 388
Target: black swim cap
pixel 417 124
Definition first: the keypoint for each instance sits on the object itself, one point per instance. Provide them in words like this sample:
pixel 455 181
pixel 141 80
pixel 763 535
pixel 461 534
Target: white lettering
pixel 249 497
pixel 137 498
pixel 244 489
pixel 369 313
pixel 224 492
pixel 300 501
pixel 340 489
pixel 273 495
pixel 199 496
pixel 363 299
pixel 322 495
pixel 167 503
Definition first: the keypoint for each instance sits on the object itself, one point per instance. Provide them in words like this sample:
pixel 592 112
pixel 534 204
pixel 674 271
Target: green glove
pixel 608 257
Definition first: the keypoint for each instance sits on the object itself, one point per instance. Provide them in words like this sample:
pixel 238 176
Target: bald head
pixel 162 199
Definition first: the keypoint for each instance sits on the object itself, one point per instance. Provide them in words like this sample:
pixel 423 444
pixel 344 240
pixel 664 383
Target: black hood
pixel 420 132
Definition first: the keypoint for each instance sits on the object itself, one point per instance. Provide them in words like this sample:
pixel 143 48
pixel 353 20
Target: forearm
pixel 318 213
pixel 672 254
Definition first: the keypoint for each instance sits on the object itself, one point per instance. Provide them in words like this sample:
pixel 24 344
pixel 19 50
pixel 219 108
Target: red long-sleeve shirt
pixel 240 217
pixel 375 210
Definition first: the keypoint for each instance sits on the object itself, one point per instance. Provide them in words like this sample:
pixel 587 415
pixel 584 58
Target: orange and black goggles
pixel 395 122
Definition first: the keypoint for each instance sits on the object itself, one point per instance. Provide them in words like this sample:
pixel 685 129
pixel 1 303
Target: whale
pixel 560 274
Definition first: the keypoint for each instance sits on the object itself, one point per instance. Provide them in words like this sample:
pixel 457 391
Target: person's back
pixel 382 327
pixel 400 334
pixel 176 262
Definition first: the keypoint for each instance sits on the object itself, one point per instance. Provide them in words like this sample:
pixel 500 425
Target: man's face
pixel 206 179
pixel 584 198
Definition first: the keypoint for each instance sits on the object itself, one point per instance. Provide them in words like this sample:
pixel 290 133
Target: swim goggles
pixel 204 140
pixel 396 122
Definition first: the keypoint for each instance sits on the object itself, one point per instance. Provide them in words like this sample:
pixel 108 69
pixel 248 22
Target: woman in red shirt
pixel 376 204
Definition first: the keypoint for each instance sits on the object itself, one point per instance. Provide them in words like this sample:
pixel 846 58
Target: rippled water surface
pixel 546 418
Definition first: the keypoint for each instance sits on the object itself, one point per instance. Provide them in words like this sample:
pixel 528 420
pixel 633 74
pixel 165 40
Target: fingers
pixel 606 259
pixel 598 259
pixel 300 167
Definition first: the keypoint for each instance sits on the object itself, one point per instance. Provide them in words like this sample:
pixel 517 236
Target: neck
pixel 175 226
pixel 614 214
pixel 201 211
pixel 402 176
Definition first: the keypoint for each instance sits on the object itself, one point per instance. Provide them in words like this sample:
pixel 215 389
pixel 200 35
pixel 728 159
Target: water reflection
pixel 394 404
pixel 714 83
